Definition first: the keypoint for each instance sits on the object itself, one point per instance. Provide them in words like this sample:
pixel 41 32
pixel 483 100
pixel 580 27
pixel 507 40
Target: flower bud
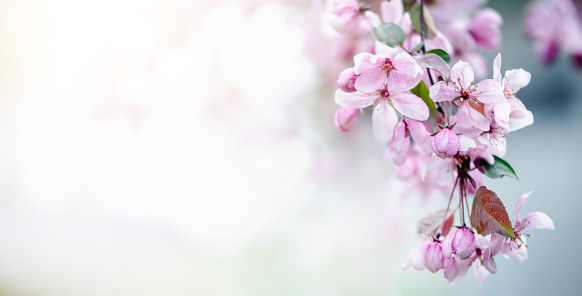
pixel 345 118
pixel 434 258
pixel 445 143
pixel 345 14
pixel 485 28
pixel 346 80
pixel 577 59
pixel 549 51
pixel 460 242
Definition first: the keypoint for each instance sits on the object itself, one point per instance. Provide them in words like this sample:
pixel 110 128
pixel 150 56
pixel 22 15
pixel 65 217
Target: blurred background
pixel 187 148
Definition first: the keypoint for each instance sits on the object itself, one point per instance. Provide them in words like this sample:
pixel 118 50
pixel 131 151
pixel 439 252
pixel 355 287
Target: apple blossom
pixel 460 242
pixel 346 80
pixel 554 25
pixel 445 143
pixel 444 132
pixel 345 118
pixel 428 254
pixel 384 117
pixel 484 27
pixel 463 88
pixel 514 80
pixel 398 74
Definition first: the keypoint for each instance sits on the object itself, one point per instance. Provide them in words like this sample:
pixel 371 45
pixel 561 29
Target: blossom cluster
pixel 555 25
pixel 444 129
pixel 463 248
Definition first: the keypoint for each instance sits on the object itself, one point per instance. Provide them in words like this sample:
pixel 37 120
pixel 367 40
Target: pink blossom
pixel 445 143
pixel 535 220
pixel 553 26
pixel 346 80
pixel 434 258
pixel 345 118
pixel 462 87
pixel 411 167
pixel 384 118
pixel 345 15
pixel 457 30
pixel 516 248
pixel 399 145
pixel 398 74
pixel 485 264
pixel 484 28
pixel 451 268
pixel 420 135
pixel 460 242
pixel 393 12
pixel 443 169
pixel 511 113
pixel 469 122
pixel 416 258
pixel 427 254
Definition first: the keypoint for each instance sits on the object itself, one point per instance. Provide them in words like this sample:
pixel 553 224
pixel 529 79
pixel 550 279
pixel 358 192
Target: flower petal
pixel 462 74
pixel 488 91
pixel 405 75
pixel 370 81
pixel 451 269
pixel 517 252
pixel 345 118
pixel 441 92
pixel 384 120
pixel 410 106
pixel 501 111
pixel 416 258
pixel 371 77
pixel 399 145
pixel 469 121
pixel 519 117
pixel 537 220
pixel 355 100
pixel 516 79
pixel 465 143
pixel 420 135
pixel 489 261
pixel 497 68
pixel 391 11
pixel 520 203
pixel 481 273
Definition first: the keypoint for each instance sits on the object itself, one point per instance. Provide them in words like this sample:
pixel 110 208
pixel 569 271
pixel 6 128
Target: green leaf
pixel 498 169
pixel 422 91
pixel 407 4
pixel 441 53
pixel 489 214
pixel 389 34
pixel 429 23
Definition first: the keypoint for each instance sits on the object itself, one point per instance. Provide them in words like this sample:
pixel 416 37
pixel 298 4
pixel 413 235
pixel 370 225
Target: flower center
pixel 387 67
pixel 508 93
pixel 494 134
pixel 383 94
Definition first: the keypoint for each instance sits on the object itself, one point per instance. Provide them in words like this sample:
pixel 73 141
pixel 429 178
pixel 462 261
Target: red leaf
pixel 448 225
pixel 430 223
pixel 489 214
